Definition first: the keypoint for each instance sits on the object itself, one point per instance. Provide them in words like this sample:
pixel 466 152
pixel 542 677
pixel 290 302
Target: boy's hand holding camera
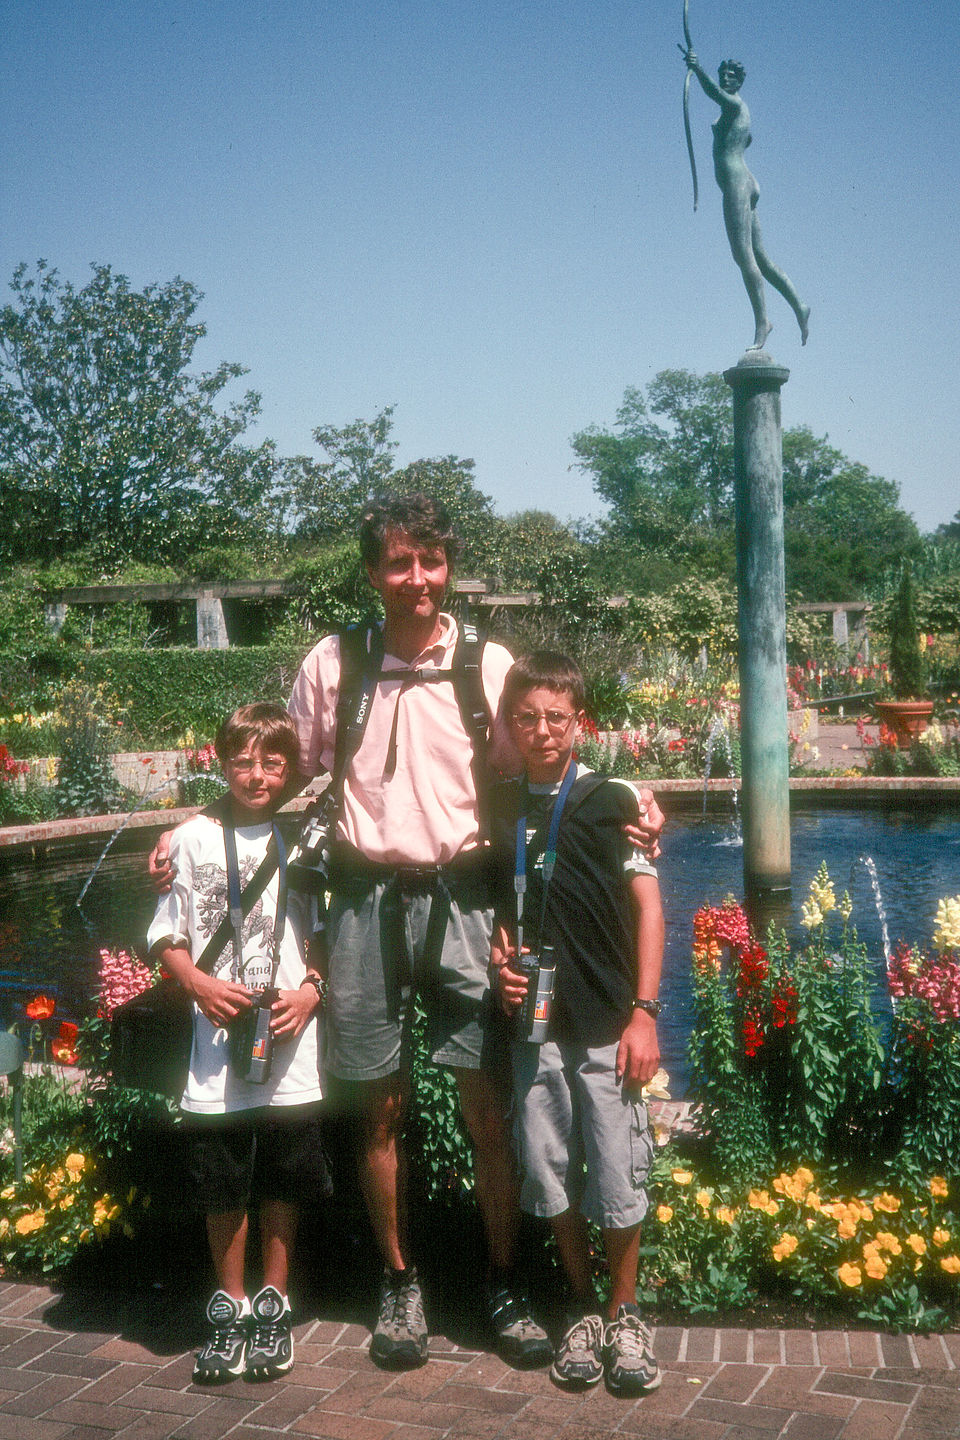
pixel 511 987
pixel 220 1000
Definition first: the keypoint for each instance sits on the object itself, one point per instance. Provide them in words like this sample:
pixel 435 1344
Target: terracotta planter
pixel 906 718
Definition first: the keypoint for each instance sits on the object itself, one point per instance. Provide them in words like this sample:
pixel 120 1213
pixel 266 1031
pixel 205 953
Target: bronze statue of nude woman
pixel 731 136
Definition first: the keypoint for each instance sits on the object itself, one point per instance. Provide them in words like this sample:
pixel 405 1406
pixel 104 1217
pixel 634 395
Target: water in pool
pixel 47 944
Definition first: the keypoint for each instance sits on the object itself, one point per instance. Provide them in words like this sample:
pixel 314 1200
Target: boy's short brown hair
pixel 421 517
pixel 268 725
pixel 543 670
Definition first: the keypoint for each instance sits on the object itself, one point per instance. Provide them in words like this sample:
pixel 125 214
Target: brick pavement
pixel 86 1366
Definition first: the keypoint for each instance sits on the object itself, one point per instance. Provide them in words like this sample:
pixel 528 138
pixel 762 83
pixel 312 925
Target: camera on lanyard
pixel 533 1017
pixel 309 866
pixel 251 1040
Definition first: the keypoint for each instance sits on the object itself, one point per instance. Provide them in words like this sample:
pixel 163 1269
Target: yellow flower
pixel 811 915
pixel 803 1176
pixel 846 906
pixel 657 1087
pixel 703 1199
pixel 886 1241
pixel 4 1227
pixel 681 1177
pixel 917 1244
pixel 847 1228
pixel 938 1187
pixel 812 1200
pixel 946 935
pixel 850 1276
pixel 951 1263
pixel 74 1164
pixel 876 1267
pixel 725 1215
pixel 8 1192
pixel 664 1214
pixel 889 1204
pixel 67 1201
pixel 84 1237
pixel 785 1246
pixel 35 1220
pixel 940 1237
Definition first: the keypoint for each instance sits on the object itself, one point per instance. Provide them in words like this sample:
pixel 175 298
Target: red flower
pixel 63 1048
pixel 41 1007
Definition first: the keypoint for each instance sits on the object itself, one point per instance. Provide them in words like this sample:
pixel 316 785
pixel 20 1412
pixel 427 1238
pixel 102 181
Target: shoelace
pixel 265 1332
pixel 222 1339
pixel 633 1336
pixel 587 1334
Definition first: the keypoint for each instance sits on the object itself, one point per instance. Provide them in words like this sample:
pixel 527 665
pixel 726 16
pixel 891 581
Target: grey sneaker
pixel 631 1366
pixel 270 1348
pixel 400 1336
pixel 519 1339
pixel 223 1357
pixel 579 1359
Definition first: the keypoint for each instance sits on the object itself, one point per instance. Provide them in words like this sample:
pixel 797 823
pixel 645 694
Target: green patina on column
pixel 758 464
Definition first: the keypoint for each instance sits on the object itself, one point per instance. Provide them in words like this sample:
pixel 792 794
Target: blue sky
pixel 482 214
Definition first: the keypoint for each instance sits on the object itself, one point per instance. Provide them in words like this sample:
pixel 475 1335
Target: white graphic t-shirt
pixel 188 915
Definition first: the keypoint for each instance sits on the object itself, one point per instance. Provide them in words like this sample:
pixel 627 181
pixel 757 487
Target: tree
pixel 107 439
pixel 328 495
pixel 663 483
pixel 670 491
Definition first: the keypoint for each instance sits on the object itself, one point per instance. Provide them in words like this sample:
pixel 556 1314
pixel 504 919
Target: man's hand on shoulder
pixel 644 833
pixel 159 868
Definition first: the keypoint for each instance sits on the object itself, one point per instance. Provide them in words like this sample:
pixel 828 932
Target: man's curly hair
pixel 423 519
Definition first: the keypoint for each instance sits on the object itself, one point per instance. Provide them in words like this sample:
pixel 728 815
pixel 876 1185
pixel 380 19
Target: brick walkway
pixel 63 1373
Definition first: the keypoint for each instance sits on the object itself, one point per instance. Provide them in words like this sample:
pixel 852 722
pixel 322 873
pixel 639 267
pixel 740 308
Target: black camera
pixel 533 1017
pixel 309 866
pixel 251 1041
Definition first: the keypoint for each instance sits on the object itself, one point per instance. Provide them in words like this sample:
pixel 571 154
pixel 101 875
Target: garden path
pixel 79 1365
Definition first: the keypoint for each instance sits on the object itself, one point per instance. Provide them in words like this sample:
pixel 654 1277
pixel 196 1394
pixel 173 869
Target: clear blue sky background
pixel 481 212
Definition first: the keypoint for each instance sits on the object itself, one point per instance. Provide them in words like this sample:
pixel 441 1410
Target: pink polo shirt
pixel 425 813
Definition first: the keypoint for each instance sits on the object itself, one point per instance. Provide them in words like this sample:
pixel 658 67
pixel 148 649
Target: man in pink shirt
pixel 409 841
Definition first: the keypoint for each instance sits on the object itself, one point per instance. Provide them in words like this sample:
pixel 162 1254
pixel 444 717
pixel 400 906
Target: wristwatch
pixel 319 985
pixel 650 1007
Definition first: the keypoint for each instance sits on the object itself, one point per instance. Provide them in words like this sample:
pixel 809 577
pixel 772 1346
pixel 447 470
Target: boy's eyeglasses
pixel 557 720
pixel 271 767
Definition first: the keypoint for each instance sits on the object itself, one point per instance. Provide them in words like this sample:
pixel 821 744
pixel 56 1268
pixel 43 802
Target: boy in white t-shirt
pixel 251 1141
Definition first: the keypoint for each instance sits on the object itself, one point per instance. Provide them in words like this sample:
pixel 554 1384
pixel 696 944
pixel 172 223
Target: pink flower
pixel 122 976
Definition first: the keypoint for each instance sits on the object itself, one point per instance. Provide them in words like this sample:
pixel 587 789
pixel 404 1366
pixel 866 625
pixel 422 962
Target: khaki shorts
pixel 375 971
pixel 570 1111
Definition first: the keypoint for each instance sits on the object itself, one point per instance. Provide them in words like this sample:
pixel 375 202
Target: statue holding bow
pixel 731 136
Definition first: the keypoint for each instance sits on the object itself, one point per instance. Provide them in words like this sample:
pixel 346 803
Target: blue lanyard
pixel 234 896
pixel 549 854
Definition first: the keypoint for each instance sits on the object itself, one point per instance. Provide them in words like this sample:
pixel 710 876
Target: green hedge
pixel 160 694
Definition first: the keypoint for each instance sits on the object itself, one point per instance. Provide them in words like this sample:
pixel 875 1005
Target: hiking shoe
pixel 520 1340
pixel 270 1349
pixel 579 1358
pixel 400 1336
pixel 224 1355
pixel 631 1366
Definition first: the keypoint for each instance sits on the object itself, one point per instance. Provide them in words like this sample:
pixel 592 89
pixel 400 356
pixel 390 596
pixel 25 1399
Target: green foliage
pixel 85 778
pixel 908 670
pixel 337 592
pixel 438 1145
pixel 107 438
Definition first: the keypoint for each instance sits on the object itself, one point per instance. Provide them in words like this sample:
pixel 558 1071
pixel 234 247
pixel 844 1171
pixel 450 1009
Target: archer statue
pixel 731 136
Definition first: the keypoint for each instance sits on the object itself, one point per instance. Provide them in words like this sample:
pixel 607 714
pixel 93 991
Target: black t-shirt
pixel 589 917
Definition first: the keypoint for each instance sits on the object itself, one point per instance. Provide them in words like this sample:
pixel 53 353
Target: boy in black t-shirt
pixel 571 884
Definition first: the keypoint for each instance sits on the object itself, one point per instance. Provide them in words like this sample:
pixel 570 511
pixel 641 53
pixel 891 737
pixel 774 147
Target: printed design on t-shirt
pixel 210 886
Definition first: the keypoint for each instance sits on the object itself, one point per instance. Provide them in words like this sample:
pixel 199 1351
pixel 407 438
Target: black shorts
pixel 270 1153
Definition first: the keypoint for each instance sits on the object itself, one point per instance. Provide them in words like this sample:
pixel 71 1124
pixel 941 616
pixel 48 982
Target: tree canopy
pixel 108 439
pixel 666 472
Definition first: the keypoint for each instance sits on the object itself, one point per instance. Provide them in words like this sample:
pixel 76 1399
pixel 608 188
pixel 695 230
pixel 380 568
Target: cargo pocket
pixel 641 1145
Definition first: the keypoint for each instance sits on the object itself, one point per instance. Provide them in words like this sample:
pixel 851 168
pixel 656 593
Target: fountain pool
pixel 47 944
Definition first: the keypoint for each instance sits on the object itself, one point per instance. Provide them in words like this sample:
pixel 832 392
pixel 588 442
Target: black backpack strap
pixel 476 717
pixel 361 660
